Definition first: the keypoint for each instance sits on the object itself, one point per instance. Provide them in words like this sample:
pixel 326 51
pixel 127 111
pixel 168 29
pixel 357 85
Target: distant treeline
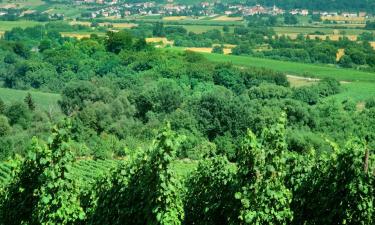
pixel 342 5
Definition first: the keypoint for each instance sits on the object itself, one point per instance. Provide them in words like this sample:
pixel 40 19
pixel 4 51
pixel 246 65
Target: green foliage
pixel 30 102
pixel 118 41
pixel 58 196
pixel 42 190
pixel 210 193
pixel 346 177
pixel 144 190
pixel 19 201
pixel 218 49
pixel 264 197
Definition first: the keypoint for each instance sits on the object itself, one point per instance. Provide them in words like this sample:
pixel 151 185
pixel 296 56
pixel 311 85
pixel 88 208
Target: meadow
pixel 8 25
pixel 42 99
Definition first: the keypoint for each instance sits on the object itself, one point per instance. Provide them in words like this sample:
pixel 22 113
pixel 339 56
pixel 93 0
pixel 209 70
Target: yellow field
pixel 227 18
pixel 373 44
pixel 340 53
pixel 343 18
pixel 171 18
pixel 227 51
pixel 75 35
pixel 120 25
pixel 162 40
pixel 80 23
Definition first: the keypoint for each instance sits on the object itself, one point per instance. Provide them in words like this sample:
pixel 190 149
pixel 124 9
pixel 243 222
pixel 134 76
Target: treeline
pixel 267 184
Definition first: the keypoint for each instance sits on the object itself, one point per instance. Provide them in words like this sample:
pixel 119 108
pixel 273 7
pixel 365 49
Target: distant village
pixel 119 9
pixel 116 9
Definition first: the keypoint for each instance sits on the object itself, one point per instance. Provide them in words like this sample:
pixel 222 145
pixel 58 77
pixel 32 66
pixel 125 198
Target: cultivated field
pixel 344 19
pixel 162 40
pixel 208 50
pixel 227 18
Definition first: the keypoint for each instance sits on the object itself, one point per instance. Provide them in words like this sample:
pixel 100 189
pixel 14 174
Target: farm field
pixel 307 30
pixel 208 50
pixel 41 99
pixel 227 18
pixel 8 25
pixel 80 35
pixel 198 29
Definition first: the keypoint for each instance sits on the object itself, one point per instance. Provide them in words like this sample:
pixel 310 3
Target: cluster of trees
pixel 267 184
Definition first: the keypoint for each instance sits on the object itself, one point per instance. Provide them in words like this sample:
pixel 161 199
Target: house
pixel 304 12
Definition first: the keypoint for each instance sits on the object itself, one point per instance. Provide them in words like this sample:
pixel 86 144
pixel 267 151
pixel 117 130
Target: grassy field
pixel 294 68
pixel 42 99
pixel 8 25
pixel 21 3
pixel 198 29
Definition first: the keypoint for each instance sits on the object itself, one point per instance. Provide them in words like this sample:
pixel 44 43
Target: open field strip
pixel 208 50
pixel 21 3
pixel 8 25
pixel 80 35
pixel 172 18
pixel 163 40
pixel 227 18
pixel 311 30
pixel 343 18
pixel 42 99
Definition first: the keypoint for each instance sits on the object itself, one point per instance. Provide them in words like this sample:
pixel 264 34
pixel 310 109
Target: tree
pixel 290 19
pixel 117 41
pixel 218 49
pixel 4 126
pixel 29 101
pixel 2 106
pixel 19 113
pixel 158 30
pixel 226 28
